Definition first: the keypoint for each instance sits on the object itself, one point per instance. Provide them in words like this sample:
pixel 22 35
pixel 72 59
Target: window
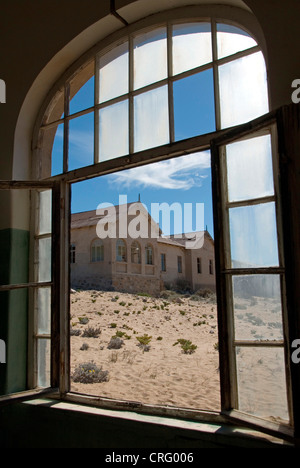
pixel 163 262
pixel 149 255
pixel 173 109
pixel 199 266
pixel 147 107
pixel 121 251
pixel 135 252
pixel 97 251
pixel 72 253
pixel 179 264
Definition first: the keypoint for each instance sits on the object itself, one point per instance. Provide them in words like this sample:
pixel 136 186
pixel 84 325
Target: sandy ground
pixel 163 373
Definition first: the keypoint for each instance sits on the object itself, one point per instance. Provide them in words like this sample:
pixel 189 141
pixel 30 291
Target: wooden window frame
pixel 174 149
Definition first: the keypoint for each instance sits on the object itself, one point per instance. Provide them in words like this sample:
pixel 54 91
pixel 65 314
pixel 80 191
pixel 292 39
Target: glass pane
pixel 43 304
pixel 81 141
pixel 150 57
pixel 253 236
pixel 113 73
pixel 151 119
pixel 231 39
pixel 191 46
pixel 257 307
pixel 82 89
pixel 53 142
pixel 44 259
pixel 261 382
pixel 113 131
pixel 243 90
pixel 249 169
pixel 194 111
pixel 43 362
pixel 45 212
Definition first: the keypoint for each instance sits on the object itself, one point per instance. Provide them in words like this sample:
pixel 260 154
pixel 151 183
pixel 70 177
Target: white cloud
pixel 180 173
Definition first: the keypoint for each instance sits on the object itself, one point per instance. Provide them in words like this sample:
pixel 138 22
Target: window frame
pixel 172 150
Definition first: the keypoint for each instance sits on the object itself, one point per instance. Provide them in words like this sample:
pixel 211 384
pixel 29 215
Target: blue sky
pixel 181 180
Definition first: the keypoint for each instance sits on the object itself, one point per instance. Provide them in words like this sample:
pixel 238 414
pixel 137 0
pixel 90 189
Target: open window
pixel 29 289
pixel 190 104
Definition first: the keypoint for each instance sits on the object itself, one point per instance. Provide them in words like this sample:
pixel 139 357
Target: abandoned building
pixel 148 263
pixel 158 80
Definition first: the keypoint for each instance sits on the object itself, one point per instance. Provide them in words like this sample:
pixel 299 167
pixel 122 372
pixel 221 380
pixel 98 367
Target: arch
pixel 55 99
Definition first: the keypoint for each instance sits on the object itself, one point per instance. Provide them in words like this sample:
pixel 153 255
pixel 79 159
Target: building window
pixel 149 255
pixel 97 251
pixel 211 269
pixel 135 252
pixel 163 262
pixel 121 251
pixel 179 264
pixel 199 266
pixel 72 253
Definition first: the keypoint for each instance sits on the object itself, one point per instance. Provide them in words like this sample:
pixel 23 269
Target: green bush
pixel 186 345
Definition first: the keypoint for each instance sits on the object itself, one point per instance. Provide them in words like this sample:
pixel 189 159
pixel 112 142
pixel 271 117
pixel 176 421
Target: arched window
pixel 135 252
pixel 97 251
pixel 170 90
pixel 207 76
pixel 121 251
pixel 149 254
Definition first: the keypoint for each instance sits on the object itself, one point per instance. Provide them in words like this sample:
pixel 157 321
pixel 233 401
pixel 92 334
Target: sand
pixel 162 373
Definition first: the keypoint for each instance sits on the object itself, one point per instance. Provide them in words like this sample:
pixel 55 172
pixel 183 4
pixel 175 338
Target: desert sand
pixel 162 373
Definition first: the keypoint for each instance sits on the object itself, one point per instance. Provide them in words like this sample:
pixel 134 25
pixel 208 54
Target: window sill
pixel 192 432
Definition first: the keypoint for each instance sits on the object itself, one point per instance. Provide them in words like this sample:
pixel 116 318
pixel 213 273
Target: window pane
pixel 257 307
pixel 82 89
pixel 243 90
pixel 113 73
pixel 194 111
pixel 45 211
pixel 150 57
pixel 261 382
pixel 151 119
pixel 43 310
pixel 53 142
pixel 231 39
pixel 253 236
pixel 81 141
pixel 43 361
pixel 249 169
pixel 44 259
pixel 191 46
pixel 113 131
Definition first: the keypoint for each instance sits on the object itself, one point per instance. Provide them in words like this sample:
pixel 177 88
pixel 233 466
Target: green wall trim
pixel 14 261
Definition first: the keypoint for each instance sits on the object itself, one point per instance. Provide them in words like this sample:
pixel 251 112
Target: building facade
pixel 123 248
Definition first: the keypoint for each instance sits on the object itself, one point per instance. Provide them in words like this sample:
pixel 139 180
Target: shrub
pixel 115 343
pixel 89 373
pixel 83 320
pixel 144 341
pixel 74 332
pixel 91 332
pixel 186 345
pixel 84 347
